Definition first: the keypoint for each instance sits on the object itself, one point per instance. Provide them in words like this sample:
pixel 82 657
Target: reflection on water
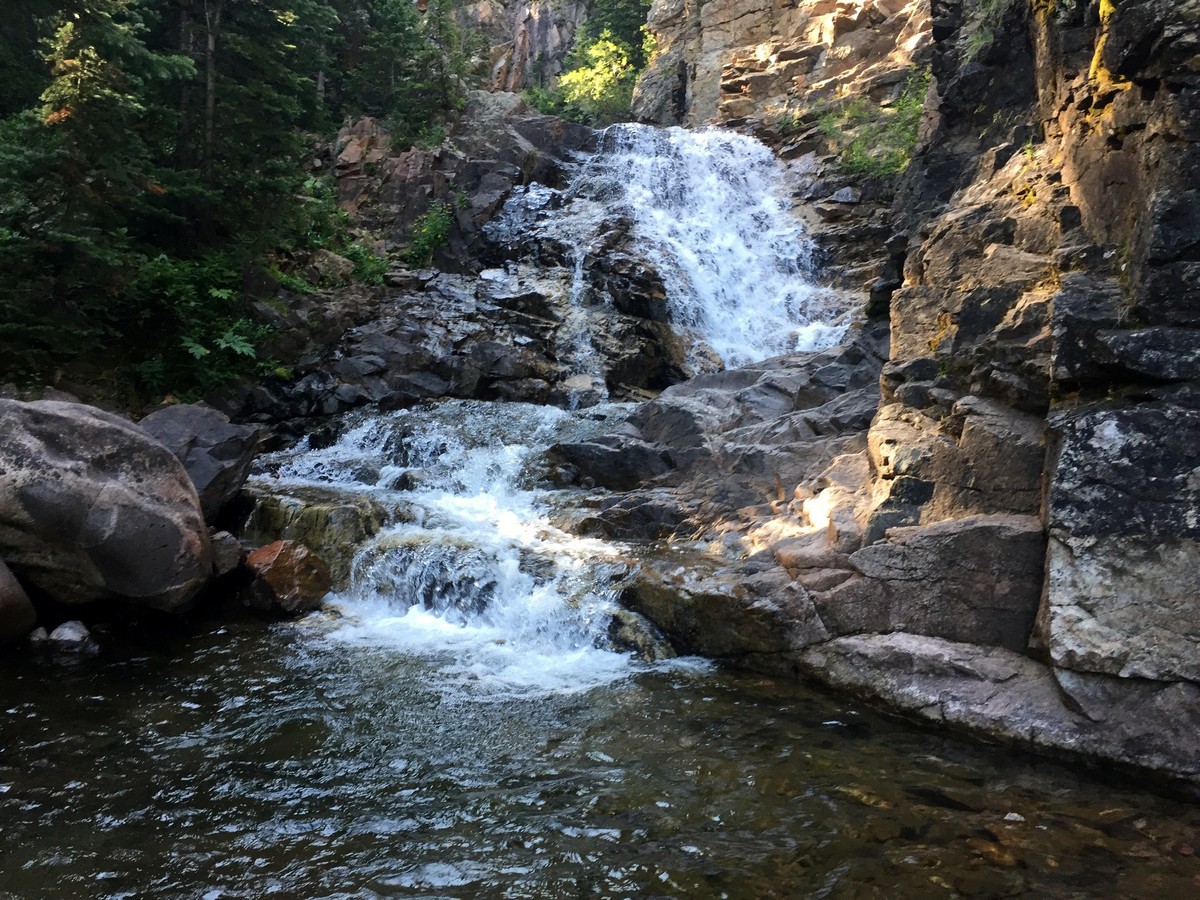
pixel 253 760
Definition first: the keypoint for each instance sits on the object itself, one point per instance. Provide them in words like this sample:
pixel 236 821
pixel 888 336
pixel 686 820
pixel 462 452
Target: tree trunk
pixel 187 47
pixel 212 24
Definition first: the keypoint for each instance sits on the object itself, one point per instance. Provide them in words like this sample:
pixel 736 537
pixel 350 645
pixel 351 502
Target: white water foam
pixel 709 209
pixel 474 576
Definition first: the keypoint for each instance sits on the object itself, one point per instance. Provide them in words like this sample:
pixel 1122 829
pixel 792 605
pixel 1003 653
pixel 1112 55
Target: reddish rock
pixel 288 578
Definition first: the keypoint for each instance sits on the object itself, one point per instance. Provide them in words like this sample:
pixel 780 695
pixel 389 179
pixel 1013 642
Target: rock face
pixel 216 454
pixel 728 61
pixel 91 507
pixel 1122 589
pixel 533 41
pixel 1004 537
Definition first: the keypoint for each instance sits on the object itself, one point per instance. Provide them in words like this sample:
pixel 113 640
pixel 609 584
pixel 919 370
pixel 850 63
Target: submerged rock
pixel 72 637
pixel 92 507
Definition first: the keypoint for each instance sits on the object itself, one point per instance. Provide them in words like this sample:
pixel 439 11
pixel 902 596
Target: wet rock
pixel 1006 695
pixel 1125 543
pixel 91 507
pixel 630 633
pixel 646 515
pixel 288 578
pixel 216 454
pixel 333 525
pixel 705 609
pixel 72 638
pixel 616 463
pixel 17 615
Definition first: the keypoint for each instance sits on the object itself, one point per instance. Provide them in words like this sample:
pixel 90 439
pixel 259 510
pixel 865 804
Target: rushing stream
pixel 462 730
pixel 462 722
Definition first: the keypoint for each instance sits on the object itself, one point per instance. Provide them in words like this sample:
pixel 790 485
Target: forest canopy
pixel 151 154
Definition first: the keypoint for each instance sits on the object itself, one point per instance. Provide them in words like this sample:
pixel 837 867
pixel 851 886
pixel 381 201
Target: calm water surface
pixel 251 760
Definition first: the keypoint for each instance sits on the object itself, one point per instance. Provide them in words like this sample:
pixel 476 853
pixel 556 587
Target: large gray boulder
pixel 92 507
pixel 216 454
pixel 17 616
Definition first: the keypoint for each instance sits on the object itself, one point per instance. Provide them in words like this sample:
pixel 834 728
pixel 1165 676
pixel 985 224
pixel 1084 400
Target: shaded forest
pixel 156 155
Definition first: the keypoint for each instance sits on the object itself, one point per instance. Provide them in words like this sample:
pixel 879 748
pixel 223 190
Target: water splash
pixel 472 572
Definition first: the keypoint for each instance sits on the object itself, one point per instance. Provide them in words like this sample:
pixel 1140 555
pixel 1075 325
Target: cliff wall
pixel 1015 548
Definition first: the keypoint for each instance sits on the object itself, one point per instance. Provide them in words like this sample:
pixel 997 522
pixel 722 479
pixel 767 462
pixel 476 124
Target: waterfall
pixel 709 210
pixel 472 570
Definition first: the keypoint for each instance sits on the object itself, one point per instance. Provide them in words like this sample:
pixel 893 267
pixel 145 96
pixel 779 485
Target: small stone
pixel 847 195
pixel 73 637
pixel 227 552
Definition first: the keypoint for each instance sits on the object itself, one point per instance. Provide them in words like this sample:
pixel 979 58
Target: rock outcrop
pixel 530 39
pixel 1010 543
pixel 216 454
pixel 731 61
pixel 91 508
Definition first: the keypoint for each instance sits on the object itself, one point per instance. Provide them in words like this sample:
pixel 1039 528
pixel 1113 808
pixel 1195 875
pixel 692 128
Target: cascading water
pixel 708 210
pixel 471 573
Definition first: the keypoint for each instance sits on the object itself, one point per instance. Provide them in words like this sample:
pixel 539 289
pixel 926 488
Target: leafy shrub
pixel 429 232
pixel 873 139
pixel 601 82
pixel 369 268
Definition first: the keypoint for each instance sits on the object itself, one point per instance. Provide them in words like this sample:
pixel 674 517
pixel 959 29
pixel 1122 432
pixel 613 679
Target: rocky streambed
pixel 540 495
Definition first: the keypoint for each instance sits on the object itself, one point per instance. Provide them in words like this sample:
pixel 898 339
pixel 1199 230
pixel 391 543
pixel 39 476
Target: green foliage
pixel 611 49
pixel 872 139
pixel 622 22
pixel 369 268
pixel 601 82
pixel 290 281
pixel 151 154
pixel 428 233
pixel 982 21
pixel 551 102
pixel 406 68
